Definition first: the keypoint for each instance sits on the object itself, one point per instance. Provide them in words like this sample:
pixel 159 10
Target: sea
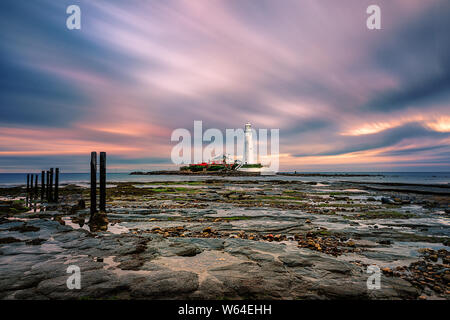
pixel 82 179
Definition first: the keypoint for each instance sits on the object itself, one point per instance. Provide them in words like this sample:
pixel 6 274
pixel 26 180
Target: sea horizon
pixel 83 178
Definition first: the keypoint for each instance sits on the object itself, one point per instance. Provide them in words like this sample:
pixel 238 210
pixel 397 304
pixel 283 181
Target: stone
pixel 208 230
pixel 185 249
pixel 350 243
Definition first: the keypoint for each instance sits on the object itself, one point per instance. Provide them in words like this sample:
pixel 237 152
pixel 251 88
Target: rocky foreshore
pixel 224 239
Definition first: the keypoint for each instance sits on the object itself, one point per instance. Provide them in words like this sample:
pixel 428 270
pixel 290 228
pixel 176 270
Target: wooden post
pixel 31 189
pixel 56 197
pixel 42 185
pixel 31 183
pixel 102 206
pixel 35 191
pixel 47 188
pixel 50 198
pixel 28 189
pixel 93 183
pixel 36 185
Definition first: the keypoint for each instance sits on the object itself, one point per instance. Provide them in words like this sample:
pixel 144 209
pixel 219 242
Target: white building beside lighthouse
pixel 249 154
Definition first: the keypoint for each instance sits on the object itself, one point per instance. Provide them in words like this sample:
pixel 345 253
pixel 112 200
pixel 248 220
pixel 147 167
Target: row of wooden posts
pixel 49 186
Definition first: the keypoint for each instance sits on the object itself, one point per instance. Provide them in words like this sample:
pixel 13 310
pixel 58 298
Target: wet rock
pixel 342 289
pixel 165 284
pixel 433 257
pixel 131 264
pixel 12 207
pixel 9 240
pixel 333 265
pixel 268 237
pixel 250 280
pixel 35 242
pixel 387 271
pixel 327 244
pixel 211 287
pixel 385 200
pixel 79 220
pixel 24 228
pixel 394 288
pixel 382 256
pixel 350 243
pixel 59 220
pixel 94 284
pixel 99 218
pixel 208 230
pixel 185 249
pixel 295 260
pixel 260 257
pixel 341 198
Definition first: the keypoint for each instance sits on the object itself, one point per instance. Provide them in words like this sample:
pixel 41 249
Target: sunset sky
pixel 345 98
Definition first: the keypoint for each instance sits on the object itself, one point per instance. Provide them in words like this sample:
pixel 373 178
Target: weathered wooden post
pixel 93 183
pixel 50 199
pixel 102 206
pixel 34 192
pixel 42 185
pixel 56 197
pixel 28 189
pixel 36 185
pixel 31 189
pixel 47 188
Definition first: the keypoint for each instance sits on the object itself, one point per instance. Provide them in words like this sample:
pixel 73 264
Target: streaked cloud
pixel 343 97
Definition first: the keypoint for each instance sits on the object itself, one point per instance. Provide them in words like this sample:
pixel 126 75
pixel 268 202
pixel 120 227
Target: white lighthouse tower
pixel 249 155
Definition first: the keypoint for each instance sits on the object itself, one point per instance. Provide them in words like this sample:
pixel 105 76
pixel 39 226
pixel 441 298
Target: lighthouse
pixel 249 156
